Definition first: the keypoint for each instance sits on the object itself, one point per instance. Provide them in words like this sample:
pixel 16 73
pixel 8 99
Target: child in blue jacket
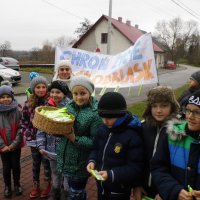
pixel 175 166
pixel 117 152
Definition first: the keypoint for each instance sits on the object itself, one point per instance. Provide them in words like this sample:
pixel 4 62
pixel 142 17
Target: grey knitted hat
pixel 38 80
pixel 196 76
pixel 82 81
pixel 5 89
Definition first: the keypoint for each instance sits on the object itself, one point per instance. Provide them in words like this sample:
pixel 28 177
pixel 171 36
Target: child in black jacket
pixel 118 150
pixel 194 86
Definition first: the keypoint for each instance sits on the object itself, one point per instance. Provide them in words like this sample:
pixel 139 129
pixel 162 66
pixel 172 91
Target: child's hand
pixel 183 194
pixel 157 197
pixel 11 147
pixel 71 136
pixel 42 152
pixel 90 166
pixel 104 174
pixel 138 192
pixel 196 193
pixel 5 149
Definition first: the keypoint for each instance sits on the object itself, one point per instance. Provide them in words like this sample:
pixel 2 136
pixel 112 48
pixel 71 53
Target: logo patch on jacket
pixel 118 148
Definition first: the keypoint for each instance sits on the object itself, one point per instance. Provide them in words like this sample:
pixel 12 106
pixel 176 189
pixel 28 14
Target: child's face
pixel 64 72
pixel 193 84
pixel 193 117
pixel 160 111
pixel 81 95
pixel 109 122
pixel 56 95
pixel 5 99
pixel 40 90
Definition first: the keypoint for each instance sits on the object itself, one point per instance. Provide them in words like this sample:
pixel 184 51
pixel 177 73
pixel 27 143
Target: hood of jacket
pixel 127 120
pixel 176 129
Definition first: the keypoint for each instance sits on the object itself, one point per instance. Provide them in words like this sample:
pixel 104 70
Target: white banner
pixel 133 67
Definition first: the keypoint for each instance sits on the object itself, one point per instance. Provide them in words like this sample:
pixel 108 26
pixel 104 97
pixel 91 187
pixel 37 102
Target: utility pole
pixel 109 27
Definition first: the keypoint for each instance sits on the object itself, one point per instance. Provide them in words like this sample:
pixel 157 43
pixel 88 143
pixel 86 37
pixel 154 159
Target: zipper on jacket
pixel 154 150
pixel 104 150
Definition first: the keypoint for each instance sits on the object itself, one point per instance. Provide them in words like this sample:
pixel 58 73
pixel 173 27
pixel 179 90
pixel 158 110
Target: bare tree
pixel 34 55
pixel 194 50
pixel 84 27
pixel 5 48
pixel 47 53
pixel 175 36
pixel 63 41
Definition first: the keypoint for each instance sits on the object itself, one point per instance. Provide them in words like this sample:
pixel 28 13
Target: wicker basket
pixel 49 125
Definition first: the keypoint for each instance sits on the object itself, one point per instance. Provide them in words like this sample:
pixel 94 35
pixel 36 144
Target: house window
pixel 104 38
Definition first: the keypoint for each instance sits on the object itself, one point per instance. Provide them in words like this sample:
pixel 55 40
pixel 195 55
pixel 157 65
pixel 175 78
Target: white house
pixel 123 35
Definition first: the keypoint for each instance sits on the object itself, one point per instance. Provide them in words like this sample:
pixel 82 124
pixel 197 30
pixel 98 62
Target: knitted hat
pixel 82 81
pixel 160 94
pixel 60 85
pixel 33 75
pixel 196 76
pixel 6 82
pixel 64 63
pixel 112 105
pixel 38 80
pixel 5 89
pixel 195 98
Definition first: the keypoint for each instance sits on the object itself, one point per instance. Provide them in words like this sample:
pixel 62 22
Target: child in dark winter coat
pixel 74 148
pixel 194 85
pixel 39 90
pixel 175 165
pixel 117 152
pixel 49 142
pixel 11 140
pixel 161 106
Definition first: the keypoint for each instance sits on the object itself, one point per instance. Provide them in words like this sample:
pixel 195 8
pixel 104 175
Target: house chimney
pixel 120 19
pixel 128 22
pixel 136 26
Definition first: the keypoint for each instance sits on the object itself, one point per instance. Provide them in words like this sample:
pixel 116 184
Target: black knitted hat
pixel 60 85
pixel 112 105
pixel 196 76
pixel 195 98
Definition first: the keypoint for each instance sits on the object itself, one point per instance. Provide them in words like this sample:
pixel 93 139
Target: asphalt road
pixel 173 78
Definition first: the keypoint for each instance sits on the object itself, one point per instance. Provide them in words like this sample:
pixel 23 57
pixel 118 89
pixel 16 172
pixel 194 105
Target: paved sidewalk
pixel 26 179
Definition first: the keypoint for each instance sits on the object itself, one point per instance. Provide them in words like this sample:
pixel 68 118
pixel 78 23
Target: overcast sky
pixel 29 23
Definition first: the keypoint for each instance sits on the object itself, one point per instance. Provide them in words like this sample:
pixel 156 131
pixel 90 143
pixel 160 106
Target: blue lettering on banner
pixel 136 52
pixel 65 54
pixel 84 59
pixel 104 63
pixel 93 62
pixel 76 58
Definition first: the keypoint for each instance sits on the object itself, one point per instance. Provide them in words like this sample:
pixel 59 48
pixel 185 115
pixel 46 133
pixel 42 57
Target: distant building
pixel 123 35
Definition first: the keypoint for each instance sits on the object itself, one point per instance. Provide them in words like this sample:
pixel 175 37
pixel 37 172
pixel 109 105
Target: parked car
pixel 170 65
pixel 10 75
pixel 10 62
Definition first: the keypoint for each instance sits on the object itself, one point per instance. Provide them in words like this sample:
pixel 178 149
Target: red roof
pixel 130 32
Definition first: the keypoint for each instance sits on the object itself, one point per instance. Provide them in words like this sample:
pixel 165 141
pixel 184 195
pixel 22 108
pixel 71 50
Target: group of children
pixel 157 158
